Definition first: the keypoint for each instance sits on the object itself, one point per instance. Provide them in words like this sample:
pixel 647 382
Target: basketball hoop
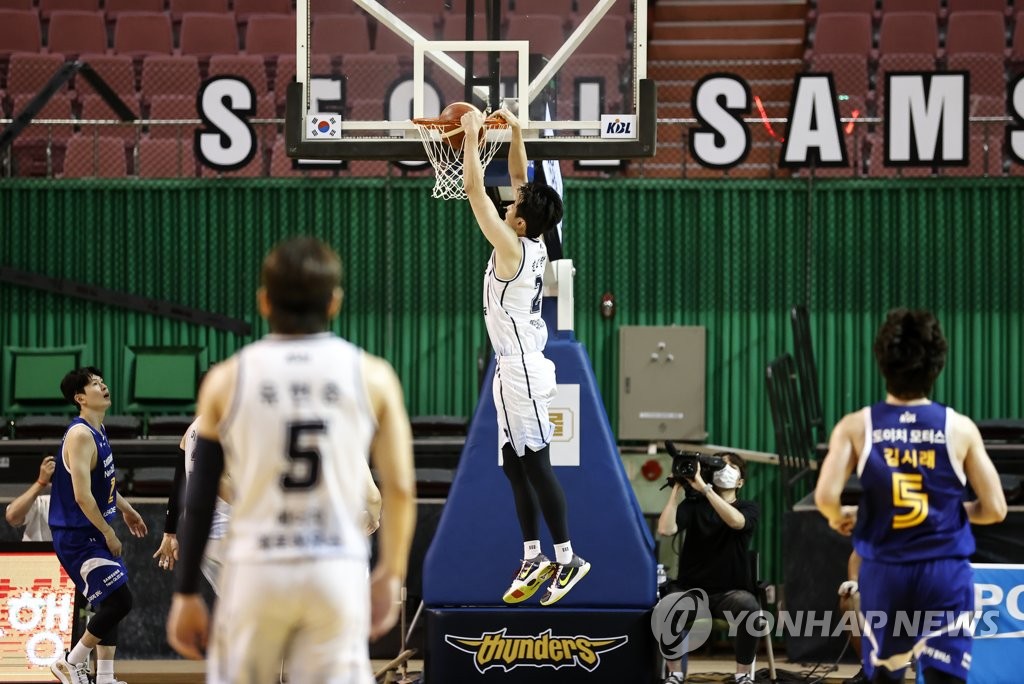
pixel 442 139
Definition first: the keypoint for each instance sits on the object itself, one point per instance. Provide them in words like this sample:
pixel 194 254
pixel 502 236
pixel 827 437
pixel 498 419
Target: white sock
pixel 104 672
pixel 531 548
pixel 563 553
pixel 79 654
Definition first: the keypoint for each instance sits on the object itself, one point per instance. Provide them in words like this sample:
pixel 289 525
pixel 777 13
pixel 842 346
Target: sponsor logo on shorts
pixel 499 649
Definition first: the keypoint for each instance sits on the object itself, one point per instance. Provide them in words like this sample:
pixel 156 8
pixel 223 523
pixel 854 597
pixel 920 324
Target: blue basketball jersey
pixel 64 510
pixel 912 505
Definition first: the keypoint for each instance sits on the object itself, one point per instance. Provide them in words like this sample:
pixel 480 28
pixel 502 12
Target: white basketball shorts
pixel 523 389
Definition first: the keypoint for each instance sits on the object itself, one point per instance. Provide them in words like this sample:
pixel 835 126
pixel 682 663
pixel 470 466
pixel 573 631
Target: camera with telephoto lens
pixel 684 465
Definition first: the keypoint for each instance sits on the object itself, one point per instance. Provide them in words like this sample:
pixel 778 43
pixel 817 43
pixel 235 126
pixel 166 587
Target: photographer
pixel 715 552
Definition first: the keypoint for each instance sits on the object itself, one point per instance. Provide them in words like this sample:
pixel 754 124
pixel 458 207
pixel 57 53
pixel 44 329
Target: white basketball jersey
pixel 222 512
pixel 512 307
pixel 296 441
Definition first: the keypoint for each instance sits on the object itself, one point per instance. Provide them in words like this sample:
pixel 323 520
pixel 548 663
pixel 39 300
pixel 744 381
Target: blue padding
pixel 476 549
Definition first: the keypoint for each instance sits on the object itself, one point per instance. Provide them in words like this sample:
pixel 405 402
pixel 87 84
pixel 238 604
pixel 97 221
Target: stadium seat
pixel 28 72
pixel 116 70
pixel 562 8
pixel 19 5
pixel 930 6
pixel 166 158
pixel 330 6
pixel 369 77
pixel 270 34
pixel 143 33
pixel 843 33
pixel 47 7
pixel 845 7
pixel 611 36
pixel 320 65
pixel 19 32
pixel 908 33
pixel 58 107
pixel 204 34
pixel 899 62
pixel 454 28
pixel 389 42
pixel 181 7
pixel 849 72
pixel 987 73
pixel 74 33
pixel 976 32
pixel 339 34
pixel 114 8
pixel 246 8
pixel 89 157
pixel 999 6
pixel 169 75
pixel 95 107
pixel 249 67
pixel 546 33
pixel 169 108
pixel 1017 45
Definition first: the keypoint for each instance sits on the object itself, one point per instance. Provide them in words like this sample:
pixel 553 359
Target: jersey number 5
pixel 908 492
pixel 304 460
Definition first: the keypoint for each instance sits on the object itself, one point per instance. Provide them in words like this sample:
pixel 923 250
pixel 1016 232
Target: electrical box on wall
pixel 661 382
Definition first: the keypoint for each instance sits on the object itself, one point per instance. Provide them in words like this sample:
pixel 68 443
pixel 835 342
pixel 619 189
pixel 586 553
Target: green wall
pixel 733 256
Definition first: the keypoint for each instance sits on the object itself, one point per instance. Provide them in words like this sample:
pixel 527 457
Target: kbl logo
pixel 618 127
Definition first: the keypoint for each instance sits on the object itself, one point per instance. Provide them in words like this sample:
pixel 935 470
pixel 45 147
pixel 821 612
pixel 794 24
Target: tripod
pixel 396 670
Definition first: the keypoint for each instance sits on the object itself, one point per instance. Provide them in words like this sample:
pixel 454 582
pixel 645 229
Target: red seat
pixel 74 33
pixel 20 5
pixel 46 7
pixel 560 7
pixel 283 166
pixel 849 72
pixel 330 6
pixel 929 6
pixel 166 158
pixel 320 65
pixel 369 76
pixel 843 33
pixel 28 72
pixel 19 32
pixel 389 42
pixel 270 34
pixel 908 33
pixel 181 7
pixel 245 8
pixel 987 76
pixel 546 33
pixel 143 33
pixel 58 107
pixel 249 67
pixel 169 75
pixel 204 34
pixel 611 36
pixel 975 32
pixel 899 62
pixel 100 157
pixel 998 6
pixel 1017 46
pixel 95 107
pixel 338 34
pixel 172 108
pixel 116 70
pixel 846 6
pixel 114 8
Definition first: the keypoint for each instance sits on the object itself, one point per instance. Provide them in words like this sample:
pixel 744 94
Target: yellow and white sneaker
pixel 68 673
pixel 565 579
pixel 532 574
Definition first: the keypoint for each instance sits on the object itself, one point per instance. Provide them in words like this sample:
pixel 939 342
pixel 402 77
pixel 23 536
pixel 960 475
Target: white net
pixel 447 159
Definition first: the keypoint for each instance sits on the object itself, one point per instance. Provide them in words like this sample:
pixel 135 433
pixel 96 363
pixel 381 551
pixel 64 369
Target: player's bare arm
pixel 132 518
pixel 517 161
pixel 80 450
pixel 990 505
pixel 835 471
pixel 17 510
pixel 391 453
pixel 507 249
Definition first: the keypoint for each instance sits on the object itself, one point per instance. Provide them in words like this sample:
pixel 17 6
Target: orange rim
pixel 490 122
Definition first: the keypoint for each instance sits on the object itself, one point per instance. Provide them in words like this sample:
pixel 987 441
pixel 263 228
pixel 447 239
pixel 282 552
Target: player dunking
pixel 292 418
pixel 912 527
pixel 524 380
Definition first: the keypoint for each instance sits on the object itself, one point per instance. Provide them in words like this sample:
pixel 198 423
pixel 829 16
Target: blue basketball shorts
pixel 84 555
pixel 919 610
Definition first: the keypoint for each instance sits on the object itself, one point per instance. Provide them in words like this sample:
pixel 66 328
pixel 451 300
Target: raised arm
pixel 517 161
pixel 18 509
pixel 498 233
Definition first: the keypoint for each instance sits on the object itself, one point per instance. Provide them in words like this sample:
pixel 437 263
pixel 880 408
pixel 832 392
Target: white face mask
pixel 726 478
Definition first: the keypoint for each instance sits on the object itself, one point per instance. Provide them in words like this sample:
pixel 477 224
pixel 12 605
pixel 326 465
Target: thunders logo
pixel 496 649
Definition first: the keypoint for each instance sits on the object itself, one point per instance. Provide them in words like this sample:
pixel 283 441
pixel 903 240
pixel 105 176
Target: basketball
pixel 452 116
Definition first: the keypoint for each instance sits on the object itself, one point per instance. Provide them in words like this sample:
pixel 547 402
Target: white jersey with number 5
pixel 512 307
pixel 296 440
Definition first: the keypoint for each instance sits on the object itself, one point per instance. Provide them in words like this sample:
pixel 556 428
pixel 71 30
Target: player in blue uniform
pixel 914 458
pixel 83 502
